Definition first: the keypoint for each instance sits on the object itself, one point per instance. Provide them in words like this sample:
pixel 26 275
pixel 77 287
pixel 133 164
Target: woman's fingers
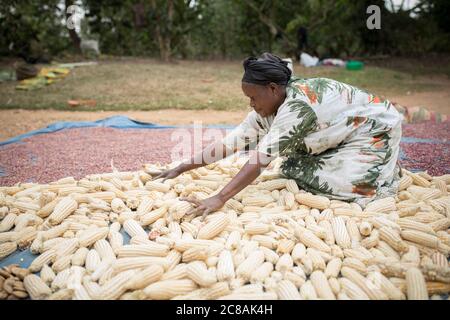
pixel 205 213
pixel 192 200
pixel 196 211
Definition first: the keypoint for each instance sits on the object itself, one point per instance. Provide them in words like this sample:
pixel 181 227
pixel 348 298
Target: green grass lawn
pixel 145 84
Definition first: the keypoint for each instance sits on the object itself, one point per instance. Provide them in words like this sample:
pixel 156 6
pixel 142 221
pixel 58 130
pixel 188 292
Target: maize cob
pixel 145 277
pixel 178 272
pixel 225 267
pixel 257 201
pixel 416 287
pixel 328 232
pixel 148 249
pixel 265 241
pixel 195 253
pixel 381 205
pixel 353 232
pixel 393 239
pixel 333 268
pixel 261 273
pixel 420 181
pixel 157 186
pixel 292 186
pixel 439 259
pixel 340 232
pixel 124 264
pixel 36 288
pixel 257 228
pixel 92 260
pixel 253 261
pixel 25 237
pixel 405 182
pixel 55 231
pixel 65 207
pixel 335 286
pixel 213 228
pixel 7 248
pixel 61 280
pixel 89 237
pixel 103 267
pixel 66 247
pixel 64 294
pixel 318 202
pixel 92 288
pixel 250 296
pixel 116 286
pixel 115 240
pixel 118 206
pixel 47 275
pixel 41 260
pixel 8 222
pixel 365 228
pixel 441 224
pixel 133 228
pixel 421 238
pixel 61 263
pixel 217 290
pixel 307 291
pixel 198 272
pixel 104 250
pixel 275 184
pixel 318 263
pixel 353 291
pixel 309 239
pixel 10 236
pixel 284 263
pixel 233 204
pixel 167 289
pixel 355 264
pixel 386 286
pixel 298 252
pixel 145 206
pixel 289 200
pixel 321 286
pixel 179 210
pixel 286 290
pixel 269 255
pixel 366 285
pixel 285 246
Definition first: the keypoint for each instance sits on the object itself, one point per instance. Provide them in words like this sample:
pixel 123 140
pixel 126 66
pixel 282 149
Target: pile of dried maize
pixel 271 241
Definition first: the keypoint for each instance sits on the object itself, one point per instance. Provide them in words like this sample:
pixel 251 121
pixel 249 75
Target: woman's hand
pixel 206 206
pixel 169 174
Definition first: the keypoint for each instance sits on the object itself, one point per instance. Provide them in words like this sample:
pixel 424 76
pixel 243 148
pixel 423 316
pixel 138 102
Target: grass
pixel 146 84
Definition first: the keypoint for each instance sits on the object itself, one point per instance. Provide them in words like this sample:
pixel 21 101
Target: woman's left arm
pixel 250 171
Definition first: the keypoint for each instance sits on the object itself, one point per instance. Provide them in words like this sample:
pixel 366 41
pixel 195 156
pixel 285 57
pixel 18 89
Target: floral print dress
pixel 335 139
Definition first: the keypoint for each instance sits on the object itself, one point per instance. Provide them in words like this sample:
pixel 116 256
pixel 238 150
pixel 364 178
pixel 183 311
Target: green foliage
pixel 227 28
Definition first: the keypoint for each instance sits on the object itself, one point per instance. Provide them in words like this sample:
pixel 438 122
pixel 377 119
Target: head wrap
pixel 266 69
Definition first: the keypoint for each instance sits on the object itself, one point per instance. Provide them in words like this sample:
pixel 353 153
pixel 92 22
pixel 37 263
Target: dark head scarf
pixel 266 69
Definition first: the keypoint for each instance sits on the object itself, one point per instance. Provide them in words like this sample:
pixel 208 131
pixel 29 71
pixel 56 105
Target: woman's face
pixel 265 100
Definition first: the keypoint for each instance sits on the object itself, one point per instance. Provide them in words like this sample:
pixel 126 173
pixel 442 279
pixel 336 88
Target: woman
pixel 335 140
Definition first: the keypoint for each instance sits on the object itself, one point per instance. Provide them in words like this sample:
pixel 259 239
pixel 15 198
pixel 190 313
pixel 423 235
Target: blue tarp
pixel 118 122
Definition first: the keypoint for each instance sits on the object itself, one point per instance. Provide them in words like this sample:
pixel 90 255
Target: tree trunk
pixel 164 38
pixel 76 41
